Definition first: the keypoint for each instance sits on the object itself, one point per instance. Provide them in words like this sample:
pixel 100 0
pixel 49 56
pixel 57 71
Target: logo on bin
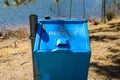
pixel 62 31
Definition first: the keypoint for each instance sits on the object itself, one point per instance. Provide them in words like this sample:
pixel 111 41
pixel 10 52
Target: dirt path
pixel 16 62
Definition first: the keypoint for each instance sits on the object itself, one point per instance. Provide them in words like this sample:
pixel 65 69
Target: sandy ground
pixel 16 61
pixel 105 44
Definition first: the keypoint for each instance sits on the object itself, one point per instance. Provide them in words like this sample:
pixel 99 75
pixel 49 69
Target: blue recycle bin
pixel 62 50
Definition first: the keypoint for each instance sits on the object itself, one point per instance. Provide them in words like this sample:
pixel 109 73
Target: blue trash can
pixel 62 50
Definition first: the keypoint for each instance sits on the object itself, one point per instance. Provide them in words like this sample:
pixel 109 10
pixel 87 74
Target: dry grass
pixel 16 33
pixel 22 33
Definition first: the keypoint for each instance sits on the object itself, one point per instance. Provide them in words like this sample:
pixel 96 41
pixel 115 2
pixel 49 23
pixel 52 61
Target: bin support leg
pixel 33 20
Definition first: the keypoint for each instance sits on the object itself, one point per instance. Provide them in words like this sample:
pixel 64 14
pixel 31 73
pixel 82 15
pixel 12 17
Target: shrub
pixel 22 33
pixel 110 15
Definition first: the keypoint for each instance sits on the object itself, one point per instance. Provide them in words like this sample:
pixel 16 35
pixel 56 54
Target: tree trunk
pixel 84 9
pixel 103 11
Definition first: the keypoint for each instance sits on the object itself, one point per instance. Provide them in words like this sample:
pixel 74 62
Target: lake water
pixel 15 16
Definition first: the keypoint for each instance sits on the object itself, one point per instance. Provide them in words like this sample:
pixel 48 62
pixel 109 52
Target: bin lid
pixel 71 35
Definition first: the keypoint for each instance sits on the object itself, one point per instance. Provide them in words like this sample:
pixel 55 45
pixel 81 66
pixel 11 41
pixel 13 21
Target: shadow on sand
pixel 110 71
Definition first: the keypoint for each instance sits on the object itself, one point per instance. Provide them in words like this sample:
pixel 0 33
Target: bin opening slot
pixel 63 43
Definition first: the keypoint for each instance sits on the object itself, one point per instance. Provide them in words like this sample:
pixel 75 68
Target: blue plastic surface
pixel 62 50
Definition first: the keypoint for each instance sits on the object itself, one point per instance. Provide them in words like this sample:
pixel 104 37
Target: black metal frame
pixel 33 20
